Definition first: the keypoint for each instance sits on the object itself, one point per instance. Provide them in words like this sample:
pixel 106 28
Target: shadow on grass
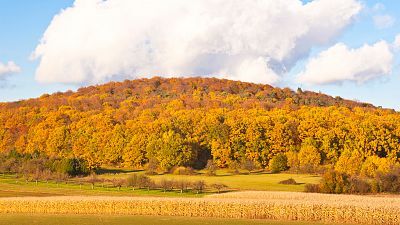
pixel 115 171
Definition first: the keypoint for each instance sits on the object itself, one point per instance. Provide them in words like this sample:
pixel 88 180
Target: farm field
pixel 281 206
pixel 29 219
pixel 255 198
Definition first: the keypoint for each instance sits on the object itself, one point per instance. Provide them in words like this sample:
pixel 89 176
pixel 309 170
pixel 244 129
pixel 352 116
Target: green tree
pixel 278 163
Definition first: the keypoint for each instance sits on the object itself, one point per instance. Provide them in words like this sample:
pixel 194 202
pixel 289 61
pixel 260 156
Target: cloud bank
pixel 8 68
pixel 340 63
pixel 258 41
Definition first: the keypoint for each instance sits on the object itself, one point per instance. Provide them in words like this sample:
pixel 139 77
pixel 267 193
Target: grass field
pixel 12 187
pixel 260 181
pixel 30 219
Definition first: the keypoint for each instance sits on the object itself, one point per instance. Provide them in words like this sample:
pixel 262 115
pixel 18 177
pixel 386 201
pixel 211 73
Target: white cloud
pixel 383 21
pixel 339 63
pixel 250 70
pixel 396 43
pixel 8 69
pixel 95 41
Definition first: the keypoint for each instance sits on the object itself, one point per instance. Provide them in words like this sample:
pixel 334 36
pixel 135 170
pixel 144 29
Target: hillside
pixel 187 121
pixel 212 92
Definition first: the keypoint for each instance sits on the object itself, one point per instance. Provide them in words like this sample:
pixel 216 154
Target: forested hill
pixel 186 122
pixel 192 92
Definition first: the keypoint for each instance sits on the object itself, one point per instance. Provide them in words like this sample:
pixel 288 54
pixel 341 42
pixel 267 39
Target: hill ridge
pixel 173 88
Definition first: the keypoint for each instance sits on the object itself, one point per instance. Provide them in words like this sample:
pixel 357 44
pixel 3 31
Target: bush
pixel 72 166
pixel 389 182
pixel 182 185
pixel 289 181
pixel 278 163
pixel 337 183
pixel 312 188
pixel 211 168
pixel 8 165
pixel 234 167
pixel 93 179
pixel 118 183
pixel 199 186
pixel 359 186
pixel 248 165
pixel 219 187
pixel 133 181
pixel 183 171
pixel 139 181
pixel 334 182
pixel 166 185
pixel 152 166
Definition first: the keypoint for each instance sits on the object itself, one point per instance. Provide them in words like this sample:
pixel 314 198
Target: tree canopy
pixel 188 121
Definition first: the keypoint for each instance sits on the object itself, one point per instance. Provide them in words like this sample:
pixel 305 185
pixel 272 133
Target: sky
pixel 347 48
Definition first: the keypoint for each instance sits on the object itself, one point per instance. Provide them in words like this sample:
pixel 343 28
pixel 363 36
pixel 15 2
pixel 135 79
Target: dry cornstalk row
pixel 283 206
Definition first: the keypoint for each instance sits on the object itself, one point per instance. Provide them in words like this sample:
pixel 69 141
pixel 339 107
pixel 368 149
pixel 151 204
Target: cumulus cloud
pixel 383 21
pixel 8 69
pixel 340 63
pixel 95 41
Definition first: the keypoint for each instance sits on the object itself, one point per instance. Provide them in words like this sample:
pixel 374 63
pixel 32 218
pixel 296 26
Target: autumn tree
pixel 309 157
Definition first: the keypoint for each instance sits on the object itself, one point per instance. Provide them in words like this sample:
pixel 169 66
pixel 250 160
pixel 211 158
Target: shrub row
pixel 337 183
pixel 36 165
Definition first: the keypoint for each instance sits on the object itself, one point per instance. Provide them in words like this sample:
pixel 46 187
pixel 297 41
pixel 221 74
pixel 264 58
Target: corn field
pixel 251 205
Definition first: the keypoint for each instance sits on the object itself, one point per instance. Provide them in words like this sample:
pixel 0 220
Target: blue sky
pixel 381 92
pixel 24 22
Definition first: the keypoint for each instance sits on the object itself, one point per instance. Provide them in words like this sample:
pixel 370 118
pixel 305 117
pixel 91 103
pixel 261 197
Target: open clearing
pixel 14 187
pixel 258 181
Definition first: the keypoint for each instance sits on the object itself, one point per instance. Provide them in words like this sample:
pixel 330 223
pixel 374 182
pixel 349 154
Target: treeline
pixel 38 167
pixel 334 182
pixel 187 122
